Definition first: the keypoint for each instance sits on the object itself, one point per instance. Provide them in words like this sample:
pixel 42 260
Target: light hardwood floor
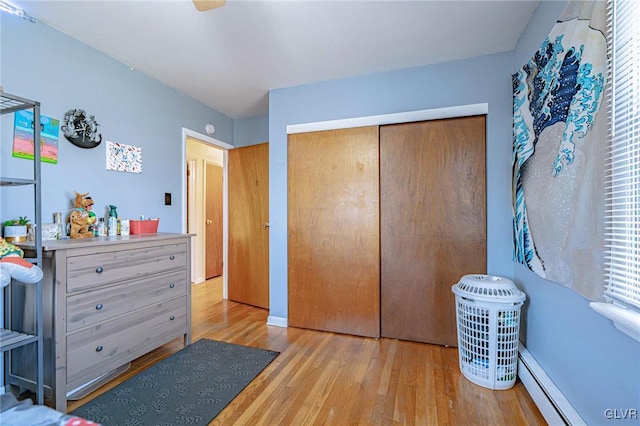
pixel 331 379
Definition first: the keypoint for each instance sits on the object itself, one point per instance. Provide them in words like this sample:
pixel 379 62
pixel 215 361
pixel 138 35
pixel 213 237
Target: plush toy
pixel 81 217
pixel 79 220
pixel 83 201
pixel 12 265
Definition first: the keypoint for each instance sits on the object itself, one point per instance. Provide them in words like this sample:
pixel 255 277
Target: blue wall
pixel 480 80
pixel 594 365
pixel 41 63
pixel 251 131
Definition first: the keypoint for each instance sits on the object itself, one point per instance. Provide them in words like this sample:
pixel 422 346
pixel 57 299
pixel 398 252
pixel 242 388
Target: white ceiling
pixel 229 58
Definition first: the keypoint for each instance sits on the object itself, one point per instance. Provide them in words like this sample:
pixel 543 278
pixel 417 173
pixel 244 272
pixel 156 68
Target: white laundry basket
pixel 488 317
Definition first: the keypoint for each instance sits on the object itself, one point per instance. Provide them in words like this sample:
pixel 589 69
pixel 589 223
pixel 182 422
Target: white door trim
pixel 399 117
pixel 225 147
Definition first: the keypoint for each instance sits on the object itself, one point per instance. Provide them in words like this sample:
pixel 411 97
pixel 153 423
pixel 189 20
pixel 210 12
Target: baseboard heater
pixel 555 408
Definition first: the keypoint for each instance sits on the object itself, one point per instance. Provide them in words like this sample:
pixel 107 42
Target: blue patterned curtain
pixel 560 128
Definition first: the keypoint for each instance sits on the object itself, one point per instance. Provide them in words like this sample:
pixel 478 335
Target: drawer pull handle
pixel 99 269
pixel 99 306
pixel 172 285
pixel 172 317
pixel 99 348
pixel 172 257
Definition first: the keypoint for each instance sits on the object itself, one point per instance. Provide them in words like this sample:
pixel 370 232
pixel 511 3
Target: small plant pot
pixel 15 233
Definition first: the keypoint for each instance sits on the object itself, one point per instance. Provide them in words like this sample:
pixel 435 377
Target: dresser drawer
pixel 88 308
pixel 96 350
pixel 94 270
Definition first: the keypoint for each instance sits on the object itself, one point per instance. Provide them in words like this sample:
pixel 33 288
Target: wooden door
pixel 248 270
pixel 213 221
pixel 333 225
pixel 433 223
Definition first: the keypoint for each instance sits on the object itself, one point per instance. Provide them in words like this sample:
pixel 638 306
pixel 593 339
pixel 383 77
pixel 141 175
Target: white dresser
pixel 107 301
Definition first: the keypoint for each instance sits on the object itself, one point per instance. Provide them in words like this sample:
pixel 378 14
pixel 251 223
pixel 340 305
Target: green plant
pixel 22 220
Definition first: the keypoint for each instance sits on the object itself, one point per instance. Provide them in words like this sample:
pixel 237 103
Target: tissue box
pixel 144 226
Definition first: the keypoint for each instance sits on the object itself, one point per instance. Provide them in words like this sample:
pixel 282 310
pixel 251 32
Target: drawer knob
pixel 99 306
pixel 99 269
pixel 172 317
pixel 172 257
pixel 172 285
pixel 99 348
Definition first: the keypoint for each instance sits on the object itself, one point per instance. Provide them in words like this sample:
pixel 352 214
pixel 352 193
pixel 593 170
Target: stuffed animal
pixel 81 217
pixel 79 220
pixel 83 201
pixel 12 265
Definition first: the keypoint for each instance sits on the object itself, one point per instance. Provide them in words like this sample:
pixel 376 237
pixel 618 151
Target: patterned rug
pixel 190 387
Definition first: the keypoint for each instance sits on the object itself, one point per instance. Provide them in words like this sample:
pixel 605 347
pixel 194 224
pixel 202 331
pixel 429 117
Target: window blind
pixel 622 205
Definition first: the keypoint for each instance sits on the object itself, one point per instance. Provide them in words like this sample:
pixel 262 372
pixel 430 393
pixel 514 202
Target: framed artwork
pixel 23 137
pixel 124 158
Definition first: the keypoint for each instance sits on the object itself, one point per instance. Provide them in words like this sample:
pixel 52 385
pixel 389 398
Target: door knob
pixel 209 221
pixel 266 225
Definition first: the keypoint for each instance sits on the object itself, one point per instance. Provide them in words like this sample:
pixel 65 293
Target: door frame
pixel 225 147
pixel 393 118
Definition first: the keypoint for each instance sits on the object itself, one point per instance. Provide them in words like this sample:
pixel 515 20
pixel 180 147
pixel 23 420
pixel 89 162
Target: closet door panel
pixel 433 223
pixel 333 246
pixel 248 270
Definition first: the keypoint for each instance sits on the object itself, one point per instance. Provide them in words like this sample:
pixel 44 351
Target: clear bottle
pixel 113 226
pixel 57 219
pixel 113 221
pixel 102 227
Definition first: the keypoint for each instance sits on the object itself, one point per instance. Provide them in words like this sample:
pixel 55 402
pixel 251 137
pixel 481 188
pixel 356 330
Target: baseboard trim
pixel 555 408
pixel 277 321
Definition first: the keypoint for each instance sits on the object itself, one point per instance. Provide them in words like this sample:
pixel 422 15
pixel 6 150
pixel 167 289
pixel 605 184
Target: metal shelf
pixel 14 339
pixel 12 103
pixel 16 181
pixel 10 339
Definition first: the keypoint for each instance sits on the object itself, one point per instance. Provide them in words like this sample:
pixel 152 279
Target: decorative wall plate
pixel 81 130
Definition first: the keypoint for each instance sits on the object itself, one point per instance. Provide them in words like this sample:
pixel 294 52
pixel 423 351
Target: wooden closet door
pixel 213 222
pixel 248 271
pixel 333 246
pixel 433 223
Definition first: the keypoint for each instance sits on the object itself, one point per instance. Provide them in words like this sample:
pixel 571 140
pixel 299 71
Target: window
pixel 622 209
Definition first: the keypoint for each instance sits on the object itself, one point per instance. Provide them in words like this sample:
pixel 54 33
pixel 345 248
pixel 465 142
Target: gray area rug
pixel 190 387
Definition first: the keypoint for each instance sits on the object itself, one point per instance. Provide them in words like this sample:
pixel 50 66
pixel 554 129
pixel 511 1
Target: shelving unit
pixel 14 339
